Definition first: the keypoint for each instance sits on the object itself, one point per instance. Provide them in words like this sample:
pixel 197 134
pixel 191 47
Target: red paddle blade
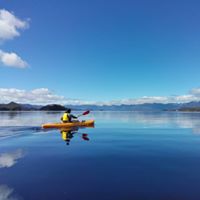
pixel 86 112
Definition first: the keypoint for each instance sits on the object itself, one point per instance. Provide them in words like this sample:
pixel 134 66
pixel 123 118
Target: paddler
pixel 67 116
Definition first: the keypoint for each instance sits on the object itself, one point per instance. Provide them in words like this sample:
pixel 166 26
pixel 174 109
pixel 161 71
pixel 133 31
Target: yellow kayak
pixel 86 123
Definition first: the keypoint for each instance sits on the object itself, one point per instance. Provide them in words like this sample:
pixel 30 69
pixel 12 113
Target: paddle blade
pixel 86 112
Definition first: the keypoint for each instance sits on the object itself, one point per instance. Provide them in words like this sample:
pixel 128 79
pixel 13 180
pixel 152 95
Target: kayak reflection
pixel 68 133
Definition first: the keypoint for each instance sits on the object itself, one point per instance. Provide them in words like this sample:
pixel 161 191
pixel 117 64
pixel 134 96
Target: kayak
pixel 86 123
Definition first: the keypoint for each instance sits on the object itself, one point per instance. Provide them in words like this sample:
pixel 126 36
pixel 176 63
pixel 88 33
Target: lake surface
pixel 128 155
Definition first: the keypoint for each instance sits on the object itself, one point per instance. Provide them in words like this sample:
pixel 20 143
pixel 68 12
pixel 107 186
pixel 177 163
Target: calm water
pixel 126 156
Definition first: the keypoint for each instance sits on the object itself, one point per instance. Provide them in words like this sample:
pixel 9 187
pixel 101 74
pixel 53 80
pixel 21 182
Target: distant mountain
pixel 30 107
pixel 53 107
pixel 190 109
pixel 138 107
pixel 191 106
pixel 12 106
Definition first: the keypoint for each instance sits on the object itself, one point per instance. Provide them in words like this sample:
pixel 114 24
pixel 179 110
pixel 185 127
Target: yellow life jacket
pixel 65 117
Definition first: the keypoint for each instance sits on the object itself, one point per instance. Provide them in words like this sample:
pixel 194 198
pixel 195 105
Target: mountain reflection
pixel 11 158
pixel 109 118
pixel 68 134
pixel 151 119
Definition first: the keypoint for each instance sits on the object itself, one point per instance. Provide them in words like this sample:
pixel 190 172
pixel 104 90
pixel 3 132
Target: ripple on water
pixel 10 131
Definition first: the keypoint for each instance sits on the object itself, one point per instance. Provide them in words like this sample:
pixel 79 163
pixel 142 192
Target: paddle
pixel 85 113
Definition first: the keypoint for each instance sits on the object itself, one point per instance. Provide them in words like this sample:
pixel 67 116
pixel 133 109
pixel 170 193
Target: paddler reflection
pixel 68 133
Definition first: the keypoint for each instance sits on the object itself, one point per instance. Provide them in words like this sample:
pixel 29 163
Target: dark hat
pixel 68 111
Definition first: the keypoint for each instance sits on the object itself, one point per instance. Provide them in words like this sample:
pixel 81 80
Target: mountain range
pixel 191 106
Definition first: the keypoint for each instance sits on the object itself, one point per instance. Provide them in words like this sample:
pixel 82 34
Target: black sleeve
pixel 73 116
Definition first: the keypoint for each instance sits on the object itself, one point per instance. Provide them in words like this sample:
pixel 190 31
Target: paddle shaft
pixel 85 113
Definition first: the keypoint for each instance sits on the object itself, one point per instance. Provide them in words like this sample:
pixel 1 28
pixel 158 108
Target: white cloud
pixel 7 193
pixel 36 96
pixel 194 95
pixel 141 100
pixel 43 96
pixel 10 159
pixel 195 91
pixel 10 25
pixel 12 60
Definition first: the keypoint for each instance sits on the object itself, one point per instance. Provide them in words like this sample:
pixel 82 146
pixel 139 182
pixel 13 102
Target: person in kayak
pixel 67 116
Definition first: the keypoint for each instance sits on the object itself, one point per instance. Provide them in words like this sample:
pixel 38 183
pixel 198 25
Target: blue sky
pixel 96 50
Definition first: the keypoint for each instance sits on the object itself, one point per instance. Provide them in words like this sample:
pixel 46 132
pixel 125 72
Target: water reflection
pixel 11 158
pixel 108 119
pixel 7 160
pixel 13 114
pixel 150 119
pixel 11 131
pixel 7 193
pixel 68 133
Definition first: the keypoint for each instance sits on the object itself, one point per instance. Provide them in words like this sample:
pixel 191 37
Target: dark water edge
pixel 110 161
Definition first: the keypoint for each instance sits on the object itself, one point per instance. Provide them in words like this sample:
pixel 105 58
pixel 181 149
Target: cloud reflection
pixel 9 159
pixel 7 193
